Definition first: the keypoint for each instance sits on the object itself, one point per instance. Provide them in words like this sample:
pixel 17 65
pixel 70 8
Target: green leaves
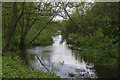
pixel 99 33
pixel 16 69
pixel 106 18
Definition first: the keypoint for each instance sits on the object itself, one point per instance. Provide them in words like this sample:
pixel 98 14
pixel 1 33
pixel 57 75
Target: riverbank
pixel 14 67
pixel 14 64
pixel 60 59
pixel 93 51
pixel 105 61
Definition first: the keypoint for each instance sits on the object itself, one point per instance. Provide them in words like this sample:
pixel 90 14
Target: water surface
pixel 60 59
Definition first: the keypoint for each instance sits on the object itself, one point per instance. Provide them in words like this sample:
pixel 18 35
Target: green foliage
pixel 35 16
pixel 99 57
pixel 14 68
pixel 99 33
pixel 45 38
pixel 101 22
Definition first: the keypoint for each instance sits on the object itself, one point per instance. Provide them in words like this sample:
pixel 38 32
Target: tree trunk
pixel 6 48
pixel 22 42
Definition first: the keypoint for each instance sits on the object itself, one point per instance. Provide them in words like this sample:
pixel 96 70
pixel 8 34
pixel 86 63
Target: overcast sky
pixel 69 10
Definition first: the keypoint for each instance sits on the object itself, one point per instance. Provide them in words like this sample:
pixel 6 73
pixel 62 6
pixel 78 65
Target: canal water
pixel 59 58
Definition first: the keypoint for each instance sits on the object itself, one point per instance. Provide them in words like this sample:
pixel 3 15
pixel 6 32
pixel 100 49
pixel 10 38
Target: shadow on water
pixel 106 72
pixel 60 59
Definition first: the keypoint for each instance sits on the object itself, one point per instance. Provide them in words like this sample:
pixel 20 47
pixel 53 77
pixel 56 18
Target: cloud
pixel 58 18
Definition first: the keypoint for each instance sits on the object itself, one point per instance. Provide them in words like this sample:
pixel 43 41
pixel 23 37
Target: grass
pixel 14 68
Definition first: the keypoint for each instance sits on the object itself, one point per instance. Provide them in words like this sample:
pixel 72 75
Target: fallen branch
pixel 42 63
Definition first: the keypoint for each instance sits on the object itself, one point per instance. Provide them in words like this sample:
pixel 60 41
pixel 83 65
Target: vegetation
pixel 24 24
pixel 92 26
pixel 97 30
pixel 15 68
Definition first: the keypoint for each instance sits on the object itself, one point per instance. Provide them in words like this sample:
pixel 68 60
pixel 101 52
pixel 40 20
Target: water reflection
pixel 61 60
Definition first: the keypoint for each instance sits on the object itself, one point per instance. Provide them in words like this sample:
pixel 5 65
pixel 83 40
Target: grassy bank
pixel 15 68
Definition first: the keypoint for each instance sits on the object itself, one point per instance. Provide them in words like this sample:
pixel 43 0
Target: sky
pixel 58 18
pixel 69 10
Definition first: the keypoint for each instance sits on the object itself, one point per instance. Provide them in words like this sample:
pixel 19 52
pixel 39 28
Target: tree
pixel 25 16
